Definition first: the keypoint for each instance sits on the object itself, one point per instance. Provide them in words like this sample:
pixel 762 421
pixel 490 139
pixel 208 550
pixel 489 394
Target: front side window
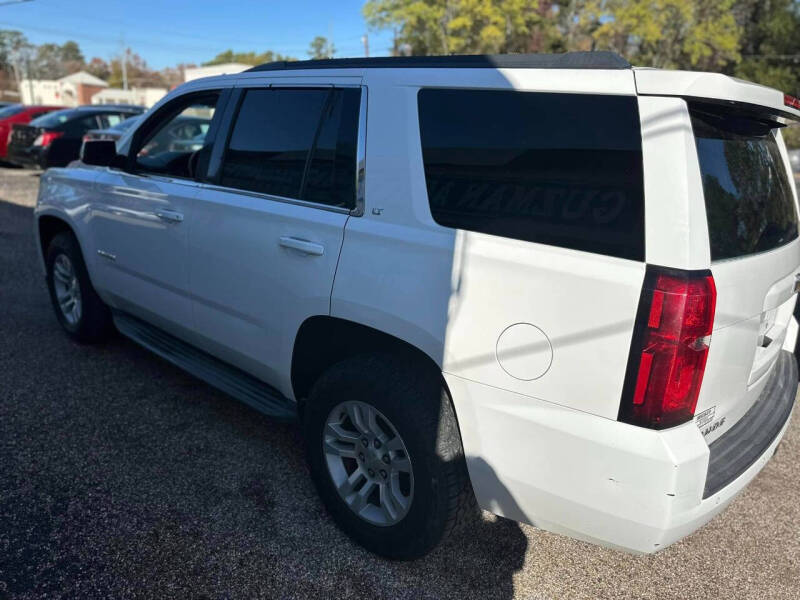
pixel 749 202
pixel 295 143
pixel 171 146
pixel 558 169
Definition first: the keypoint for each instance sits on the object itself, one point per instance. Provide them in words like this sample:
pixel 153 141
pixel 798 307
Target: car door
pixel 141 219
pixel 268 226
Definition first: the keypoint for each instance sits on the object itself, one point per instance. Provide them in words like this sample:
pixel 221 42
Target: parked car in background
pixel 55 139
pixel 19 114
pixel 111 133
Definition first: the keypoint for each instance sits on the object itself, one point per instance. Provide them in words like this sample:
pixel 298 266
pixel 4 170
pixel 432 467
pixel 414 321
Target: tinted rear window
pixel 749 203
pixel 559 169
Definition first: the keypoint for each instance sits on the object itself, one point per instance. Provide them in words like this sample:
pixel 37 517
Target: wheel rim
pixel 67 288
pixel 368 463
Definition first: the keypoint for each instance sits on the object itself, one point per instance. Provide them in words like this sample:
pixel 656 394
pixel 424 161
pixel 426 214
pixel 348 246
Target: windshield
pixel 10 111
pixel 749 202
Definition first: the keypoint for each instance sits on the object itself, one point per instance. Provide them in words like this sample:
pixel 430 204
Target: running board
pixel 235 382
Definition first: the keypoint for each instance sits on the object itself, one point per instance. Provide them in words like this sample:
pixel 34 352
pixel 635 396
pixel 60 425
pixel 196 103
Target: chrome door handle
pixel 170 216
pixel 303 246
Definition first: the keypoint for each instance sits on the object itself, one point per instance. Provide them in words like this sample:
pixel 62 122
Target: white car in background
pixel 560 285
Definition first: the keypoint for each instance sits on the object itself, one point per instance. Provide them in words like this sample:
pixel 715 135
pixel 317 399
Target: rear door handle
pixel 303 246
pixel 170 216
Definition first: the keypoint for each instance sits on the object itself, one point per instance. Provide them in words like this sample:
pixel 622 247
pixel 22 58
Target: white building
pixel 146 97
pixel 72 90
pixel 224 69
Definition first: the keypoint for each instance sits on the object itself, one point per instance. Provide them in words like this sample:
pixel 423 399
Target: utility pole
pixel 365 41
pixel 125 69
pixel 30 81
pixel 124 64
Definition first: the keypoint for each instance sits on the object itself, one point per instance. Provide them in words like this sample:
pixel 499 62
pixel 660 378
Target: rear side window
pixel 558 169
pixel 295 143
pixel 749 203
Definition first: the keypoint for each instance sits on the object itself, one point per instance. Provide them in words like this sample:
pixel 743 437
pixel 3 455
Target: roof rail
pixel 568 60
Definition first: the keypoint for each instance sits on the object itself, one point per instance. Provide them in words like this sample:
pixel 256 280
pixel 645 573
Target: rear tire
pixel 413 410
pixel 78 308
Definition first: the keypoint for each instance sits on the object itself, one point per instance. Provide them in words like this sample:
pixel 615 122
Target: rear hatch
pixel 755 256
pixel 752 216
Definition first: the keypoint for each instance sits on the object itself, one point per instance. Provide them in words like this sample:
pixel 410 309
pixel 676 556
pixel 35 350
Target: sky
pixel 168 32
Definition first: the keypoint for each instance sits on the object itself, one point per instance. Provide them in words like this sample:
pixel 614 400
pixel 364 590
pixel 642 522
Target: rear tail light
pixel 791 101
pixel 46 138
pixel 669 348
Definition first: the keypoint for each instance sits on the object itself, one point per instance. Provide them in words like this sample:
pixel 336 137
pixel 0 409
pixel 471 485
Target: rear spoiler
pixel 718 88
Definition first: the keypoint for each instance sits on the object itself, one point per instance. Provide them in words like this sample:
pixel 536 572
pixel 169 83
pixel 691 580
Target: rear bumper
pixel 600 480
pixel 31 157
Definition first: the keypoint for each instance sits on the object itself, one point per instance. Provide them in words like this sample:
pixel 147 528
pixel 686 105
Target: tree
pixel 321 48
pixel 72 57
pixel 672 34
pixel 52 61
pixel 770 44
pixel 99 68
pixel 137 71
pixel 15 56
pixel 247 58
pixel 468 26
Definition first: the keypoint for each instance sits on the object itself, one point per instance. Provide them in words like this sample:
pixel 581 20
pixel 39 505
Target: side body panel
pixel 577 309
pixel 251 293
pixel 142 257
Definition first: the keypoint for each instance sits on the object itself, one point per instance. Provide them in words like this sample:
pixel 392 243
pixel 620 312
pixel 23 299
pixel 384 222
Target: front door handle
pixel 170 216
pixel 303 246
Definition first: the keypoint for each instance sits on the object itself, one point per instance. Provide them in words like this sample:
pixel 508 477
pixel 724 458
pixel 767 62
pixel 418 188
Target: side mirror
pixel 101 153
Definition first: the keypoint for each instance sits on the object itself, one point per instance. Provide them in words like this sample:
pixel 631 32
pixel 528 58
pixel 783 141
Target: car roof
pixel 104 107
pixel 566 60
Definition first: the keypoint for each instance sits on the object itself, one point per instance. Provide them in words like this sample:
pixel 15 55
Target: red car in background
pixel 18 113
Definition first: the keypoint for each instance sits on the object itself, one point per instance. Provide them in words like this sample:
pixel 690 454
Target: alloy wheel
pixel 368 463
pixel 67 289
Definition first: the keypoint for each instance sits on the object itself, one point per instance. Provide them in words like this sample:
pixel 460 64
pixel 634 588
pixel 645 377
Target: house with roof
pixel 73 90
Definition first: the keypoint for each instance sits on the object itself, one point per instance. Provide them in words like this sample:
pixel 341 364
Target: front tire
pixel 385 454
pixel 79 310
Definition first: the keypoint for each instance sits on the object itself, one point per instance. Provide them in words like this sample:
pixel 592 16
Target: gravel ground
pixel 121 476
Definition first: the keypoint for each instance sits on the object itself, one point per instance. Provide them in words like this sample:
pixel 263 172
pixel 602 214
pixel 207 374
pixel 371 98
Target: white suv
pixel 559 285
